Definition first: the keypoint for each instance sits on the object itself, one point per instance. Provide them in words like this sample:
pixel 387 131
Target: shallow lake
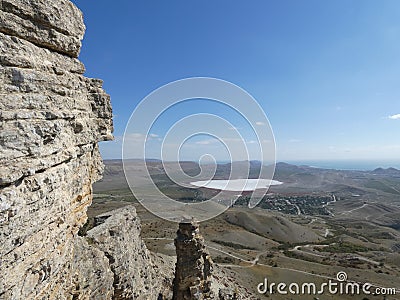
pixel 236 185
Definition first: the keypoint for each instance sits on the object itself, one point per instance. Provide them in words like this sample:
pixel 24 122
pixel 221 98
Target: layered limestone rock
pixel 196 276
pixel 135 272
pixel 194 265
pixel 51 119
pixel 55 25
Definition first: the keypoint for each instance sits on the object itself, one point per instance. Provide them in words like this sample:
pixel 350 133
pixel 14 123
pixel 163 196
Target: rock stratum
pixel 51 120
pixel 193 271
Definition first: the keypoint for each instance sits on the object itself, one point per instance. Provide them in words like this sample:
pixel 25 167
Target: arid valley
pixel 318 223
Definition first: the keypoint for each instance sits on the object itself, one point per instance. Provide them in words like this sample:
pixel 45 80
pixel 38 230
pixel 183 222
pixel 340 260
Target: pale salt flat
pixel 236 185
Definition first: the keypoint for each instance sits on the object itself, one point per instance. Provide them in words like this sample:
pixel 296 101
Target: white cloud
pixel 205 142
pixel 260 124
pixel 395 117
pixel 140 138
pixel 134 137
pixel 227 140
pixel 154 137
pixel 219 141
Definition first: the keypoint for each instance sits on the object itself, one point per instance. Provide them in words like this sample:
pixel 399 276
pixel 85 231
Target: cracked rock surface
pixel 51 120
pixel 193 272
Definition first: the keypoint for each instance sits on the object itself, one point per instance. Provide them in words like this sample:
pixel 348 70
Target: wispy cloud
pixel 395 117
pixel 154 137
pixel 134 137
pixel 205 142
pixel 141 138
pixel 260 124
pixel 218 141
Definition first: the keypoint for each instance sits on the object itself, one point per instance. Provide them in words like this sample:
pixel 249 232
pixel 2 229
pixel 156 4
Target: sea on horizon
pixel 358 165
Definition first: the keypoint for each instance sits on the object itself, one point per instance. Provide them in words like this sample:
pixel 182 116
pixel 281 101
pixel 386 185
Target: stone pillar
pixel 194 265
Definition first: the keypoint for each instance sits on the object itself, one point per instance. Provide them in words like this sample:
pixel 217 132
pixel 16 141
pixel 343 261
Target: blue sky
pixel 326 73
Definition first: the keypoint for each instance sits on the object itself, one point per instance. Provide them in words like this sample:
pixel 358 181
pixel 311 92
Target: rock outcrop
pixel 131 271
pixel 194 265
pixel 51 119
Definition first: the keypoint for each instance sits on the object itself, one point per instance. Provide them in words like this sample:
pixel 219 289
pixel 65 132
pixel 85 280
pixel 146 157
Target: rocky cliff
pixel 51 119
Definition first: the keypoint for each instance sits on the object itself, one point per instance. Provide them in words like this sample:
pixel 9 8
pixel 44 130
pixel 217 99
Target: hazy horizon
pixel 344 164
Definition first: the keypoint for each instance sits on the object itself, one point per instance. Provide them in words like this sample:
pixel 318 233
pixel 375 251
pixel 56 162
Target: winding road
pixel 254 262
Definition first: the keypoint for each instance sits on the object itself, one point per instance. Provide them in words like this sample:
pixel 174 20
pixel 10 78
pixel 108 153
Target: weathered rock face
pixel 194 265
pixel 51 119
pixel 134 273
pixel 55 25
